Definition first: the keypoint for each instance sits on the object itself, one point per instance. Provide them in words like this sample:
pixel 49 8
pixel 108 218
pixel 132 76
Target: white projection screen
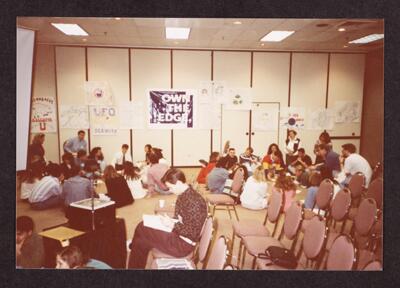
pixel 25 45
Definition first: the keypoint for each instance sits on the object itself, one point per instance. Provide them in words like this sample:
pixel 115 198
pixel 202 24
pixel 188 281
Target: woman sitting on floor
pixel 204 171
pixel 254 195
pixel 285 184
pixel 132 176
pixel 217 177
pixel 190 213
pixel 117 188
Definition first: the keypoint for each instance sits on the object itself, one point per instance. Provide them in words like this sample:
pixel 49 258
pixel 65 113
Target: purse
pixel 279 256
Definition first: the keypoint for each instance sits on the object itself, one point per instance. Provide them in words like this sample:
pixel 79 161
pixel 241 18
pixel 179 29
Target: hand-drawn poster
pixel 131 115
pixel 266 119
pixel 321 119
pixel 205 92
pixel 347 111
pixel 238 99
pixel 74 117
pixel 103 120
pixel 43 117
pixel 220 92
pixel 98 93
pixel 171 109
pixel 292 117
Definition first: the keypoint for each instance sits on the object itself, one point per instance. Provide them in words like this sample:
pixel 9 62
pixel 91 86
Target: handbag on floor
pixel 279 256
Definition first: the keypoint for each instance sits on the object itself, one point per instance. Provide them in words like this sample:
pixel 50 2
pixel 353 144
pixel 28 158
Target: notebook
pixel 154 221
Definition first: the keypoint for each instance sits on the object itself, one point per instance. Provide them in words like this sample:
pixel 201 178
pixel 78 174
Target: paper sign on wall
pixel 103 120
pixel 266 119
pixel 292 117
pixel 171 109
pixel 74 117
pixel 43 117
pixel 131 115
pixel 347 111
pixel 98 93
pixel 321 119
pixel 238 99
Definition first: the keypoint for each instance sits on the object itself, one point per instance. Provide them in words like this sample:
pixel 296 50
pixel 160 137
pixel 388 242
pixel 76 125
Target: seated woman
pixel 315 181
pixel 67 165
pixel 217 177
pixel 117 188
pixel 160 155
pixel 35 173
pixel 72 258
pixel 204 171
pixel 97 154
pixel 285 183
pixel 190 213
pixel 273 158
pixel 254 195
pixel 132 177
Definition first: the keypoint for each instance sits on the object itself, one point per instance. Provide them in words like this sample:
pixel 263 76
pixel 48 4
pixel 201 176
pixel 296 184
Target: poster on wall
pixel 266 119
pixel 205 92
pixel 98 93
pixel 74 116
pixel 321 119
pixel 292 117
pixel 238 99
pixel 171 109
pixel 43 115
pixel 220 92
pixel 209 116
pixel 347 111
pixel 131 115
pixel 103 120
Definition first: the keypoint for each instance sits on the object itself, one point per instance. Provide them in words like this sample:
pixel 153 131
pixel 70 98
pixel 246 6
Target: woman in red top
pixel 201 178
pixel 274 156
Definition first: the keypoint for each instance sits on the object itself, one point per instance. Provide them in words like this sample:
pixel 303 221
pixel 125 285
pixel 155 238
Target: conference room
pixel 199 143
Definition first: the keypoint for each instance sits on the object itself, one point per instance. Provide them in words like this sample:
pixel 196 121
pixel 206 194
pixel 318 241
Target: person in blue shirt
pixel 330 167
pixel 217 177
pixel 73 145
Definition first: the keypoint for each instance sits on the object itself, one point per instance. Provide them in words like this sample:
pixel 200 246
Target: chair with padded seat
pixel 218 255
pixel 255 245
pixel 342 254
pixel 357 187
pixel 373 266
pixel 312 247
pixel 251 227
pixel 226 202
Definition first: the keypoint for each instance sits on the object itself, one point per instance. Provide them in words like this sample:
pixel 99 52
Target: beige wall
pixel 151 68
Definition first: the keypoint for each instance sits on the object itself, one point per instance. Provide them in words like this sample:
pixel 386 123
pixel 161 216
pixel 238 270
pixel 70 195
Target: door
pixel 236 129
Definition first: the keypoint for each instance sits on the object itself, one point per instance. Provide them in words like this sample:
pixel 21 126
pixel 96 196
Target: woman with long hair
pixel 285 184
pixel 273 158
pixel 36 151
pixel 117 187
pixel 254 195
pixel 132 177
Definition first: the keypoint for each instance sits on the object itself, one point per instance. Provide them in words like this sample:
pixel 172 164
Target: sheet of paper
pixel 174 263
pixel 154 221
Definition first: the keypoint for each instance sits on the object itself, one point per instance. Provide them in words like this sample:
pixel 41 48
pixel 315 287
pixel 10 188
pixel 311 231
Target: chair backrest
pixel 314 237
pixel 237 182
pixel 275 205
pixel 342 254
pixel 218 255
pixel 375 191
pixel 357 184
pixel 205 239
pixel 341 204
pixel 366 216
pixel 293 218
pixel 324 194
pixel 373 266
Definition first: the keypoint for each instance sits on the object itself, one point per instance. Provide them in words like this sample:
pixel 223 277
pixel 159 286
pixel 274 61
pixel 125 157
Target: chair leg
pixel 233 242
pixel 253 266
pixel 213 213
pixel 236 214
pixel 240 251
pixel 229 212
pixel 244 256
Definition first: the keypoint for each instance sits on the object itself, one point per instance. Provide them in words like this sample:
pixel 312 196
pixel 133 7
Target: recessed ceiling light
pixel 176 42
pixel 117 18
pixel 345 46
pixel 70 29
pixel 367 39
pixel 84 39
pixel 276 36
pixel 237 22
pixel 262 44
pixel 341 29
pixel 177 33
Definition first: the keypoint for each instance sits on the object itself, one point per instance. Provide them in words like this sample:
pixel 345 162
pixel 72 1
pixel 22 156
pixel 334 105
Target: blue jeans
pixel 310 198
pixel 53 201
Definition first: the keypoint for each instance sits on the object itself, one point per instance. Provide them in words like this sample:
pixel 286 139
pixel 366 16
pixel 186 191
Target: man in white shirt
pixel 354 163
pixel 121 157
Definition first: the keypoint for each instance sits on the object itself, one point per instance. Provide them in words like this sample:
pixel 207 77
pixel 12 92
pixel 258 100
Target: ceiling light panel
pixel 177 33
pixel 276 36
pixel 367 39
pixel 70 29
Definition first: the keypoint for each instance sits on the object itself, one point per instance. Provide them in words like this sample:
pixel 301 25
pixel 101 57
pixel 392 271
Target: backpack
pixel 279 256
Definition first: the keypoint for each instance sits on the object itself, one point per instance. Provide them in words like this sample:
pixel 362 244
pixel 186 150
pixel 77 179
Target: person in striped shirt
pixel 47 192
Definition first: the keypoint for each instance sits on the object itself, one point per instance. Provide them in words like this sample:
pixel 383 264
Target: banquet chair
pixel 342 254
pixel 218 255
pixel 357 187
pixel 373 266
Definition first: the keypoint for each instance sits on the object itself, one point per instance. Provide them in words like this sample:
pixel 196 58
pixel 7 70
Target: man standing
pixel 354 163
pixel 73 145
pixel 29 245
pixel 121 157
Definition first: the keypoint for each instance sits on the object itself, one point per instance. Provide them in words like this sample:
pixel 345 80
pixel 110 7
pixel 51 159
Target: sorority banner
pixel 171 109
pixel 293 117
pixel 98 93
pixel 103 120
pixel 74 116
pixel 43 118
